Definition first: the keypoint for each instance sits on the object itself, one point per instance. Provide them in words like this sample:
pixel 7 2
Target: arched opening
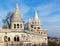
pixel 14 25
pixel 17 38
pixel 5 38
pixel 34 45
pixel 14 38
pixel 21 25
pixel 38 27
pixel 17 25
pixel 31 26
pixel 35 22
pixel 34 27
pixel 8 38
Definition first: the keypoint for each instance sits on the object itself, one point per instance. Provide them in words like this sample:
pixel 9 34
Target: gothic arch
pixel 5 38
pixel 16 38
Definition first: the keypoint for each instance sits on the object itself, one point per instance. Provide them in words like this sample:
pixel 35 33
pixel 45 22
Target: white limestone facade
pixel 34 35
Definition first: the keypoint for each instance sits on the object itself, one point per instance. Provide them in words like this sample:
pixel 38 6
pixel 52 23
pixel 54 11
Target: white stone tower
pixel 35 25
pixel 35 35
pixel 29 24
pixel 17 22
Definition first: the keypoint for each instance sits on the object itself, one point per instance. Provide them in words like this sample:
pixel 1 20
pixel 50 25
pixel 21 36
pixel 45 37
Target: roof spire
pixel 36 18
pixel 16 4
pixel 16 16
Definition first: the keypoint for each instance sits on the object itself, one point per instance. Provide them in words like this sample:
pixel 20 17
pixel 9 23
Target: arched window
pixel 21 25
pixel 45 38
pixel 35 45
pixel 41 33
pixel 32 22
pixel 17 25
pixel 8 38
pixel 32 26
pixel 45 32
pixel 14 25
pixel 38 27
pixel 35 22
pixel 17 38
pixel 5 38
pixel 14 38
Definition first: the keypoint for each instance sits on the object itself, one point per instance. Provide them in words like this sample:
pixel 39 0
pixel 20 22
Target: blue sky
pixel 48 12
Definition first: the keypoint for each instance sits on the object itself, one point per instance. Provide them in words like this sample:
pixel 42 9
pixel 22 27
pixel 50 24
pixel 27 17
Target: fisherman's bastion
pixel 17 35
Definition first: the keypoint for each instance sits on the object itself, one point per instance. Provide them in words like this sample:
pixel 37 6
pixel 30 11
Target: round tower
pixel 17 22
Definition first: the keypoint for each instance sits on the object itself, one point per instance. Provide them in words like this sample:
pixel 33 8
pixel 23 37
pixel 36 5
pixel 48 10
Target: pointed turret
pixel 29 24
pixel 16 16
pixel 36 19
pixel 17 22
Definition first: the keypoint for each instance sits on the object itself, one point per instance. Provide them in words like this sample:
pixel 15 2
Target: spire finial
pixel 36 14
pixel 16 3
pixel 36 18
pixel 16 16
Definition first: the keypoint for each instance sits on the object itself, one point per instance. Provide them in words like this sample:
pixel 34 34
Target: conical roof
pixel 16 16
pixel 36 18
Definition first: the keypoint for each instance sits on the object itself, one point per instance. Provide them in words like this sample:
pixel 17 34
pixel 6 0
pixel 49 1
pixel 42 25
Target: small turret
pixel 36 19
pixel 17 22
pixel 35 25
pixel 29 24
